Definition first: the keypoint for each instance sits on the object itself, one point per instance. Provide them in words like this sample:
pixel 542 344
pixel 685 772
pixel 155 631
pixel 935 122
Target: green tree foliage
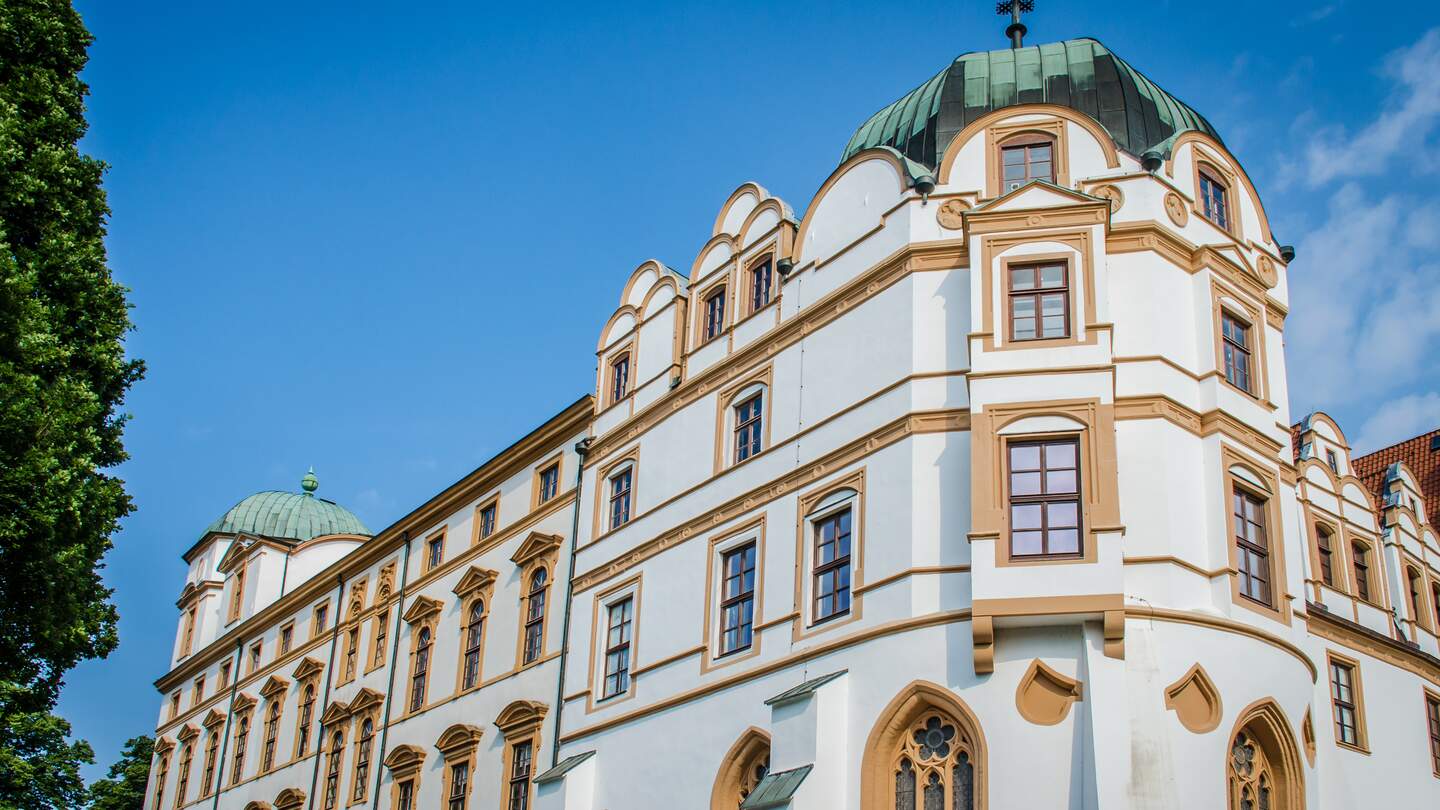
pixel 125 789
pixel 38 767
pixel 63 370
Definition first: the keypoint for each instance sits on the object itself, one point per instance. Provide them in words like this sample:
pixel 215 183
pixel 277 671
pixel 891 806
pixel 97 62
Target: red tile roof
pixel 1417 455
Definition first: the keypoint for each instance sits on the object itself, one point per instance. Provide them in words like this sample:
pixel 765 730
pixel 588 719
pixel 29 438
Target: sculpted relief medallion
pixel 1175 207
pixel 1113 194
pixel 951 214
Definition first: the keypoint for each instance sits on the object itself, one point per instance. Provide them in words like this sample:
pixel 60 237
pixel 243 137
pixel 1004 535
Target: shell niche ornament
pixel 1113 194
pixel 952 214
pixel 1175 207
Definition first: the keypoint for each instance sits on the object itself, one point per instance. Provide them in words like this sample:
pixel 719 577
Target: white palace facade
pixel 974 487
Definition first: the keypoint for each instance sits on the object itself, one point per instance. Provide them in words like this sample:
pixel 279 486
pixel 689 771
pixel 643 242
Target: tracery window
pixel 935 768
pixel 474 634
pixel 753 773
pixel 535 616
pixel 1252 776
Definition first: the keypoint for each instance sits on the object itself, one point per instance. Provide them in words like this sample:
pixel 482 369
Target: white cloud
pixel 1398 420
pixel 1412 113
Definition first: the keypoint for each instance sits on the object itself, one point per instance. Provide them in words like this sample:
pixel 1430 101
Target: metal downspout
pixel 582 448
pixel 225 739
pixel 394 652
pixel 325 699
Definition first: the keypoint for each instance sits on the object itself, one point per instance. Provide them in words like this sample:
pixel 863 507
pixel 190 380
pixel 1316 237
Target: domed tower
pixel 253 554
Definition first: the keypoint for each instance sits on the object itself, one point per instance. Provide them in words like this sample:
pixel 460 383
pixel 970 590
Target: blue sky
pixel 381 238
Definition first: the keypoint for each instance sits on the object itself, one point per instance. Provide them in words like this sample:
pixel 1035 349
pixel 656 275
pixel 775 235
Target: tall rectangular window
pixel 1039 301
pixel 237 593
pixel 1333 460
pixel 549 482
pixel 1413 580
pixel 1235 344
pixel 620 498
pixel 1360 561
pixel 256 652
pixel 1045 498
pixel 352 652
pixel 224 674
pixel 749 421
pixel 434 552
pixel 474 637
pixel 287 638
pixel 405 795
pixel 1432 719
pixel 1214 200
pixel 487 520
pixel 199 694
pixel 1325 548
pixel 320 620
pixel 187 644
pixel 619 377
pixel 715 314
pixel 832 565
pixel 459 786
pixel 617 647
pixel 1435 603
pixel 737 599
pixel 519 792
pixel 760 286
pixel 1025 159
pixel 1343 701
pixel 1252 546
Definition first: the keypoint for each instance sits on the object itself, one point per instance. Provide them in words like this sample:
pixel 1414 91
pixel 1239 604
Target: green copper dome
pixel 289 515
pixel 1080 74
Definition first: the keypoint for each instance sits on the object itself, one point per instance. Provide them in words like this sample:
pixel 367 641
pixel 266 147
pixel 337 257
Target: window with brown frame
pixel 352 652
pixel 487 520
pixel 421 670
pixel 737 599
pixel 617 648
pixel 182 782
pixel 237 593
pixel 474 635
pixel 715 314
pixel 320 619
pixel 302 723
pixel 1026 158
pixel 534 635
pixel 189 637
pixel 332 771
pixel 459 786
pixel 405 795
pixel 519 780
pixel 1039 301
pixel 832 565
pixel 175 704
pixel 199 694
pixel 1332 460
pixel 749 421
pixel 1044 478
pixel 272 735
pixel 1435 604
pixel 287 638
pixel 224 674
pixel 257 651
pixel 162 771
pixel 549 482
pixel 382 632
pixel 362 760
pixel 619 377
pixel 242 735
pixel 1343 701
pixel 434 552
pixel 1214 200
pixel 1235 344
pixel 1413 580
pixel 212 756
pixel 1360 560
pixel 1432 719
pixel 760 286
pixel 1252 546
pixel 1324 548
pixel 620 498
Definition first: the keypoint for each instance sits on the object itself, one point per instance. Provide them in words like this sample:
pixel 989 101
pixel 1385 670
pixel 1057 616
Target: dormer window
pixel 715 314
pixel 619 377
pixel 760 286
pixel 1026 158
pixel 1214 199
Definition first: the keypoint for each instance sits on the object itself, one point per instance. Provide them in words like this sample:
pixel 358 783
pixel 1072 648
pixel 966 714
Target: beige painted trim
pixel 600 520
pixel 1280 594
pixel 990 119
pixel 805 625
pixel 1361 733
pixel 1266 723
pixel 1195 700
pixel 630 588
pixel 1043 695
pixel 1227 625
pixel 718 545
pixel 736 768
pixel 894 724
pixel 997 135
pixel 558 462
pixel 725 402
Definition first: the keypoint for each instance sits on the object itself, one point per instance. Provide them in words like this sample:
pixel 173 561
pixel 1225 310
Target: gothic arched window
pixel 1262 765
pixel 935 767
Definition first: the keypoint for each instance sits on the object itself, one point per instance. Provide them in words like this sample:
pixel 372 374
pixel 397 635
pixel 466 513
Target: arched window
pixel 745 764
pixel 332 770
pixel 1262 767
pixel 924 753
pixel 272 733
pixel 162 770
pixel 1252 780
pixel 535 616
pixel 474 635
pixel 182 782
pixel 382 632
pixel 302 725
pixel 242 733
pixel 421 670
pixel 362 758
pixel 212 752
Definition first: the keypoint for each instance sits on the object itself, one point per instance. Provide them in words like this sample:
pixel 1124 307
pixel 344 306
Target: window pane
pixel 1025 543
pixel 1025 515
pixel 1060 482
pixel 1064 541
pixel 1024 328
pixel 1025 483
pixel 1040 152
pixel 1060 455
pixel 1062 515
pixel 1022 278
pixel 1013 156
pixel 1052 276
pixel 1022 307
pixel 1024 457
pixel 1054 326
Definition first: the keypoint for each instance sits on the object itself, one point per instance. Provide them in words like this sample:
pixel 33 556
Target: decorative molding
pixel 535 547
pixel 1177 210
pixel 1195 700
pixel 1044 696
pixel 951 214
pixel 422 608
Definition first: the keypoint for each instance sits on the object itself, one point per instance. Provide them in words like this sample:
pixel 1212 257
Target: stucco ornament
pixel 1113 194
pixel 1266 268
pixel 1175 207
pixel 952 214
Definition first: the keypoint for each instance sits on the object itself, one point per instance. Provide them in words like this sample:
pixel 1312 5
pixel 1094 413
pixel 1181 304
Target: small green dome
pixel 289 515
pixel 1080 74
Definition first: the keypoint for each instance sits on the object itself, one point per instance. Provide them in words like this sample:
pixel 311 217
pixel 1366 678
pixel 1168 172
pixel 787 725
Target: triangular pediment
pixel 241 547
pixel 1228 262
pixel 243 702
pixel 336 712
pixel 307 669
pixel 365 699
pixel 520 715
pixel 422 608
pixel 1038 194
pixel 213 719
pixel 404 758
pixel 474 579
pixel 274 685
pixel 189 732
pixel 164 744
pixel 457 739
pixel 536 546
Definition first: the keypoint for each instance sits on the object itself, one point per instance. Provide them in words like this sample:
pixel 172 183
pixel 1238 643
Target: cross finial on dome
pixel 310 483
pixel 1016 30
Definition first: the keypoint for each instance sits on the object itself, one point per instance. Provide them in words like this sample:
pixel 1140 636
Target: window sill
pixel 831 618
pixel 1352 747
